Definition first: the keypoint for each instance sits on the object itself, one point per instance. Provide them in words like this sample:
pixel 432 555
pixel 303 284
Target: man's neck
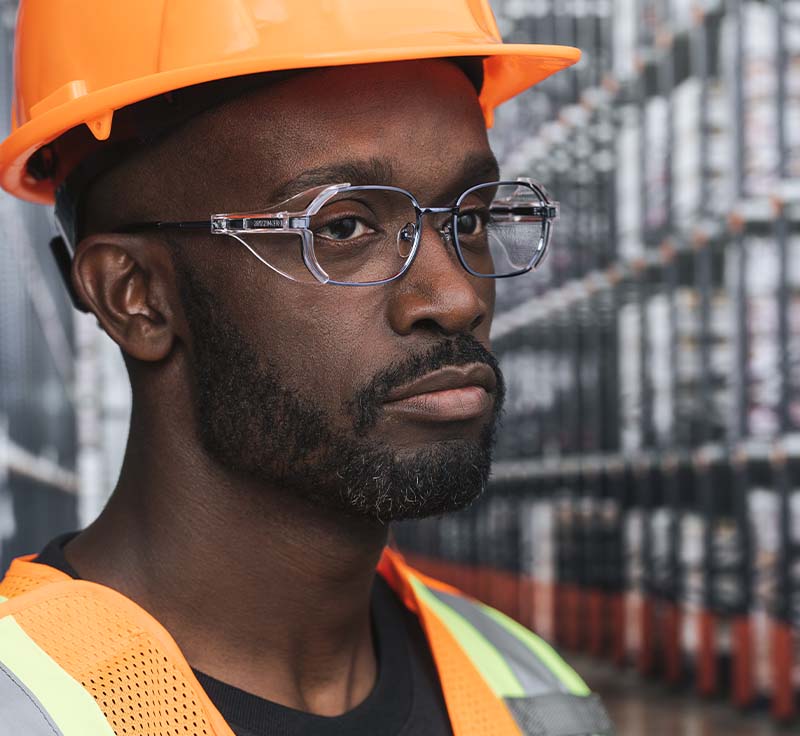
pixel 259 590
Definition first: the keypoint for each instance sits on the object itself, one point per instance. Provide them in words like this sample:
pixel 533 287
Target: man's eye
pixel 345 228
pixel 471 223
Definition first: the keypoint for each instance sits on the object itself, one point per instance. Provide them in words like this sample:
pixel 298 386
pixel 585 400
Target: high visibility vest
pixel 80 659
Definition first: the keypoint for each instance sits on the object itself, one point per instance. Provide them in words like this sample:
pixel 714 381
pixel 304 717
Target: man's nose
pixel 436 293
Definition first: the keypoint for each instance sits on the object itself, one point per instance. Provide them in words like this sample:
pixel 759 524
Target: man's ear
pixel 128 282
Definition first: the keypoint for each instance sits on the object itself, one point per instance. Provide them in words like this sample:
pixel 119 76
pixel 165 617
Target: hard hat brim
pixel 508 70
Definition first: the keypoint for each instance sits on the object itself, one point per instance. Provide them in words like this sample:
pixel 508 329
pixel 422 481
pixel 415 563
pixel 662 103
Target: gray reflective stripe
pixel 561 714
pixel 20 711
pixel 534 676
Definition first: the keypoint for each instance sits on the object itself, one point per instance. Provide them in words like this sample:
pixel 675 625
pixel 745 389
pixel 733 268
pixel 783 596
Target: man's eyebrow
pixel 475 169
pixel 357 173
pixel 479 168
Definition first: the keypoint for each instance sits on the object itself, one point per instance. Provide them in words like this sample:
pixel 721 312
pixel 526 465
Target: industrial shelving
pixel 646 495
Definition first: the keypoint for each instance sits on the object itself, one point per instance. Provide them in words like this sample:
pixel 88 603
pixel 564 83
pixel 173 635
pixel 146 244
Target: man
pixel 302 374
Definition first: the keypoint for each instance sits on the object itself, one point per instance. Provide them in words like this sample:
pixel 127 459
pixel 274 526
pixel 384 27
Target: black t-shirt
pixel 406 700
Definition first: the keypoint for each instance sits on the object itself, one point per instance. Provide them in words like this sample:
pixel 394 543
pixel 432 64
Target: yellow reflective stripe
pixel 3 600
pixel 483 654
pixel 541 649
pixel 66 701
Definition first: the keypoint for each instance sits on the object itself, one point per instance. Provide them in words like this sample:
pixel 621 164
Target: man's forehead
pixel 410 124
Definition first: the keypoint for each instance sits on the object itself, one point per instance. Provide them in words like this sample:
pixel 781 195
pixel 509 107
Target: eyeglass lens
pixel 363 235
pixel 500 230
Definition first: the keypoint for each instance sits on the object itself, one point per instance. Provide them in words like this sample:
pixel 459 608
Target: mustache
pixel 367 404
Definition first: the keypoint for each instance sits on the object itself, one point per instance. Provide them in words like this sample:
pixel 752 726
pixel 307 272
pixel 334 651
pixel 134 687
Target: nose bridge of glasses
pixel 436 210
pixel 411 231
pixel 442 224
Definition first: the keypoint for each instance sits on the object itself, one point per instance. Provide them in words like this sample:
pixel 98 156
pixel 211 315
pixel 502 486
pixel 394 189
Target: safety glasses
pixel 370 235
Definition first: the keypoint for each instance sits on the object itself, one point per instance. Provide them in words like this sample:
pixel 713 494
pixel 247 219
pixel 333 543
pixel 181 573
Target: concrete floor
pixel 642 708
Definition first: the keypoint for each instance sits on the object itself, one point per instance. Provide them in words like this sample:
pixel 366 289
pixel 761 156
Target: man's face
pixel 293 382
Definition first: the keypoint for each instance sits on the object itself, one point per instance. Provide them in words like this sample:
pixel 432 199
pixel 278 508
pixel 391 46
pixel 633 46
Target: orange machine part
pixel 782 646
pixel 647 627
pixel 743 676
pixel 671 631
pixel 597 608
pixel 618 624
pixel 707 653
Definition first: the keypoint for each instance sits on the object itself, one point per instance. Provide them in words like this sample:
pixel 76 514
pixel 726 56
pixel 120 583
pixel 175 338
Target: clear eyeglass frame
pixel 531 200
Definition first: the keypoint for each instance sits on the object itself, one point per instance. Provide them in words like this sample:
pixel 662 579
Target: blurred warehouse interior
pixel 646 498
pixel 645 506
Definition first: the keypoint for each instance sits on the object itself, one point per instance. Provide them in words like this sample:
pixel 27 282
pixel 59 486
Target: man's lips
pixel 447 395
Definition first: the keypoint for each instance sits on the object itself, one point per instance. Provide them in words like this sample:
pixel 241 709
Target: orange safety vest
pixel 81 659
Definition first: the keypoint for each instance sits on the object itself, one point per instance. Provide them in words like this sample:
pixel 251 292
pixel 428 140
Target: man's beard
pixel 252 423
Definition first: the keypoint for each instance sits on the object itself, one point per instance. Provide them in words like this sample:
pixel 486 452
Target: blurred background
pixel 644 514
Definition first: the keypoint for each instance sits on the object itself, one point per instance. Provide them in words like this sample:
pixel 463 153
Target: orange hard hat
pixel 78 61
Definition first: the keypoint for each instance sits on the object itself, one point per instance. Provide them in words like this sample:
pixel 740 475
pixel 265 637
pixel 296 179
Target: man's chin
pixel 411 483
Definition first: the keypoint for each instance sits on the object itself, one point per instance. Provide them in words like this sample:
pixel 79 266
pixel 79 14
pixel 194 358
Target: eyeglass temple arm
pixel 281 217
pixel 137 227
